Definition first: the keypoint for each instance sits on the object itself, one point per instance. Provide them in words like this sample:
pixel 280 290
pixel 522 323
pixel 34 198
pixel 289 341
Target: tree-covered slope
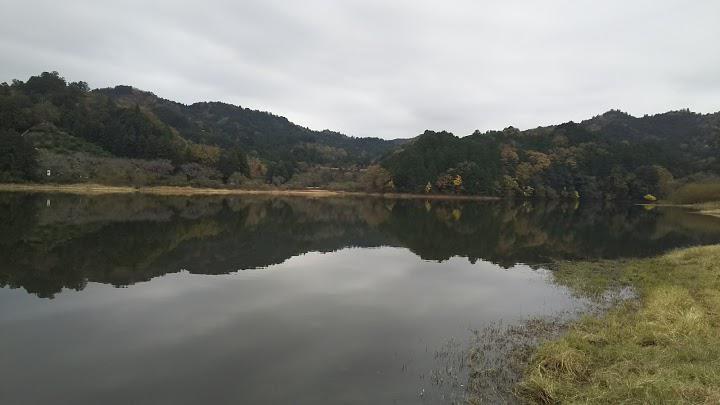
pixel 123 135
pixel 612 156
pixel 263 134
pixel 215 142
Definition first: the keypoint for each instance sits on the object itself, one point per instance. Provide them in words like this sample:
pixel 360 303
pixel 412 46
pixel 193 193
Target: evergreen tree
pixel 17 157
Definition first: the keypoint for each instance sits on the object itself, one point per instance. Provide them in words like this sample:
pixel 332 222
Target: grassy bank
pixel 663 347
pixel 188 191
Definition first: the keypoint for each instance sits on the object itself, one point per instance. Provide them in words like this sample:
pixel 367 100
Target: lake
pixel 119 299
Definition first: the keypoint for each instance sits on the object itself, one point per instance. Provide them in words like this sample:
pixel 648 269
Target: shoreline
pixel 99 189
pixel 711 208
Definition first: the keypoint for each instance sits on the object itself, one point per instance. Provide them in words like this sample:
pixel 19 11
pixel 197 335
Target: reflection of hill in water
pixel 129 238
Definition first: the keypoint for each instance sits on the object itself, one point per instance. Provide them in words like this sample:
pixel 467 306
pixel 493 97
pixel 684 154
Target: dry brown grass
pixel 189 191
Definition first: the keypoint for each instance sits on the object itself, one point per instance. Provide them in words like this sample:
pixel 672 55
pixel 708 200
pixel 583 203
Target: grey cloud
pixel 383 68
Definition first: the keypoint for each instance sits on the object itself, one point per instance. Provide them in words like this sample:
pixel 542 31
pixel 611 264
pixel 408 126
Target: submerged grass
pixel 663 347
pixel 486 370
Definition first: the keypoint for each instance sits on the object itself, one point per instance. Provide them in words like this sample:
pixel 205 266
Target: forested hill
pixel 78 132
pixel 260 133
pixel 611 156
pixel 60 132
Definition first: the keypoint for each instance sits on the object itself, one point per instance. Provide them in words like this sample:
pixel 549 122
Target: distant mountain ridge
pixel 264 133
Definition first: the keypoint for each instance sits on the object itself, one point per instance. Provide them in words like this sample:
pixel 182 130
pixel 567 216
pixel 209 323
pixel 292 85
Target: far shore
pixel 96 189
pixel 711 208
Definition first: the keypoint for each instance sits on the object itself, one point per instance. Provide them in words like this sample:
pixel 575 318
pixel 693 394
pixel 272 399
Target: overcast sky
pixel 383 68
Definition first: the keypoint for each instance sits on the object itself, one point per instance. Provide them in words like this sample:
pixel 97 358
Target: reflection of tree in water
pixel 122 241
pixel 125 239
pixel 508 234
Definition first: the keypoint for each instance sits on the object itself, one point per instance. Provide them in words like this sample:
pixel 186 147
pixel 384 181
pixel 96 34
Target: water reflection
pixel 351 301
pixel 122 240
pixel 355 326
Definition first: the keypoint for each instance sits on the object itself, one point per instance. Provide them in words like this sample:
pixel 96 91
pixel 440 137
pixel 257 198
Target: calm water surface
pixel 144 300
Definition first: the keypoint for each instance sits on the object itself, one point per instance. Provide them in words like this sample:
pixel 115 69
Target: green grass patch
pixel 663 347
